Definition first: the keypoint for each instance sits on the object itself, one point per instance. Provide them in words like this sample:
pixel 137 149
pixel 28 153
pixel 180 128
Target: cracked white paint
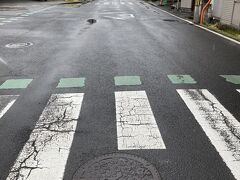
pixel 45 154
pixel 6 101
pixel 136 125
pixel 220 126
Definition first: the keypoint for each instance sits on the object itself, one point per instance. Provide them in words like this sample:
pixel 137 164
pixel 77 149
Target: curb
pixel 196 25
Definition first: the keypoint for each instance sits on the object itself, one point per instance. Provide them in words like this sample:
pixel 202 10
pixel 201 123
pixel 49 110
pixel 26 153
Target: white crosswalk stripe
pixel 45 154
pixel 136 125
pixel 6 101
pixel 113 3
pixel 220 126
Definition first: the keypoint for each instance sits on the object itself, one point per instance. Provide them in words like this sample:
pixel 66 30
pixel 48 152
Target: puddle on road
pixel 18 45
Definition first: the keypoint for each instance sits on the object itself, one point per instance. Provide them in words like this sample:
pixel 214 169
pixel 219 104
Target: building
pixel 227 11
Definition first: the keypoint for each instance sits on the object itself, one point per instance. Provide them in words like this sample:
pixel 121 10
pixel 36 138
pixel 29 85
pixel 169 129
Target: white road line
pixel 45 154
pixel 34 12
pixel 2 18
pixel 130 3
pixel 122 3
pixel 136 125
pixel 6 101
pixel 6 21
pixel 106 3
pixel 14 19
pixel 1 24
pixel 220 126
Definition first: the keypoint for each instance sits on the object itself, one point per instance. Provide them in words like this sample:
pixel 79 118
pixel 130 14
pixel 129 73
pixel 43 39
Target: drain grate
pixel 170 20
pixel 117 166
pixel 91 21
pixel 19 45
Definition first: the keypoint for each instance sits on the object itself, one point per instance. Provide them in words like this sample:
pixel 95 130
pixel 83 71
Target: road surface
pixel 136 81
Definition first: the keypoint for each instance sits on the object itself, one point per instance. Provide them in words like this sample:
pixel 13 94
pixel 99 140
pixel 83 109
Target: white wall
pixel 236 15
pixel 217 8
pixel 227 12
pixel 186 4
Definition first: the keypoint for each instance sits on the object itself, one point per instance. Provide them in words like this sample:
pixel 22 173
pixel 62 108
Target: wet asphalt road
pixel 138 42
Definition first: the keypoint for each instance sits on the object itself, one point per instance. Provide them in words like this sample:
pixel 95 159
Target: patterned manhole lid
pixel 117 166
pixel 19 45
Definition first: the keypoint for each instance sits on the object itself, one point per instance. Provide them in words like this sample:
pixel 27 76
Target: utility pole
pixel 197 10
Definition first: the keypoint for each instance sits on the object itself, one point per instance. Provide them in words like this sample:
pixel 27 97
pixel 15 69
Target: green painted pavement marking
pixel 16 84
pixel 235 79
pixel 71 82
pixel 127 80
pixel 181 79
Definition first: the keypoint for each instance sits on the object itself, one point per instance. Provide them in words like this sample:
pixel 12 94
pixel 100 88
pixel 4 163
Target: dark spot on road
pixel 117 166
pixel 170 20
pixel 91 21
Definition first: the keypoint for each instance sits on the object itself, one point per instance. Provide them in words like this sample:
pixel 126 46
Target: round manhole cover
pixel 19 45
pixel 117 166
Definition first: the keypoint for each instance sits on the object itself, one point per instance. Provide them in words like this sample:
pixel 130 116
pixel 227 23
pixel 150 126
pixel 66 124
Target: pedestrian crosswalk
pixel 6 20
pixel 45 154
pixel 222 129
pixel 113 3
pixel 6 101
pixel 136 125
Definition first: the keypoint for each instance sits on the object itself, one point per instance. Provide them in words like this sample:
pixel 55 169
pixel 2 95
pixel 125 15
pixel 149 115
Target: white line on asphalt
pixel 122 3
pixel 6 101
pixel 106 3
pixel 19 17
pixel 45 154
pixel 130 3
pixel 6 21
pixel 34 12
pixel 3 62
pixel 24 15
pixel 13 19
pixel 136 125
pixel 190 22
pixel 2 18
pixel 1 24
pixel 220 126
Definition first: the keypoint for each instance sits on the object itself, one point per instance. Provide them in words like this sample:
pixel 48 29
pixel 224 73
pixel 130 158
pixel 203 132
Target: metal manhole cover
pixel 170 20
pixel 117 166
pixel 19 45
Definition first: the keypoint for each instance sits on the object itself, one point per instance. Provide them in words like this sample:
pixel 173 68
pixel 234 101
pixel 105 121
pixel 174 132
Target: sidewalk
pixel 180 13
pixel 188 16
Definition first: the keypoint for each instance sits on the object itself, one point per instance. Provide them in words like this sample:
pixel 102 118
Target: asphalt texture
pixel 66 45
